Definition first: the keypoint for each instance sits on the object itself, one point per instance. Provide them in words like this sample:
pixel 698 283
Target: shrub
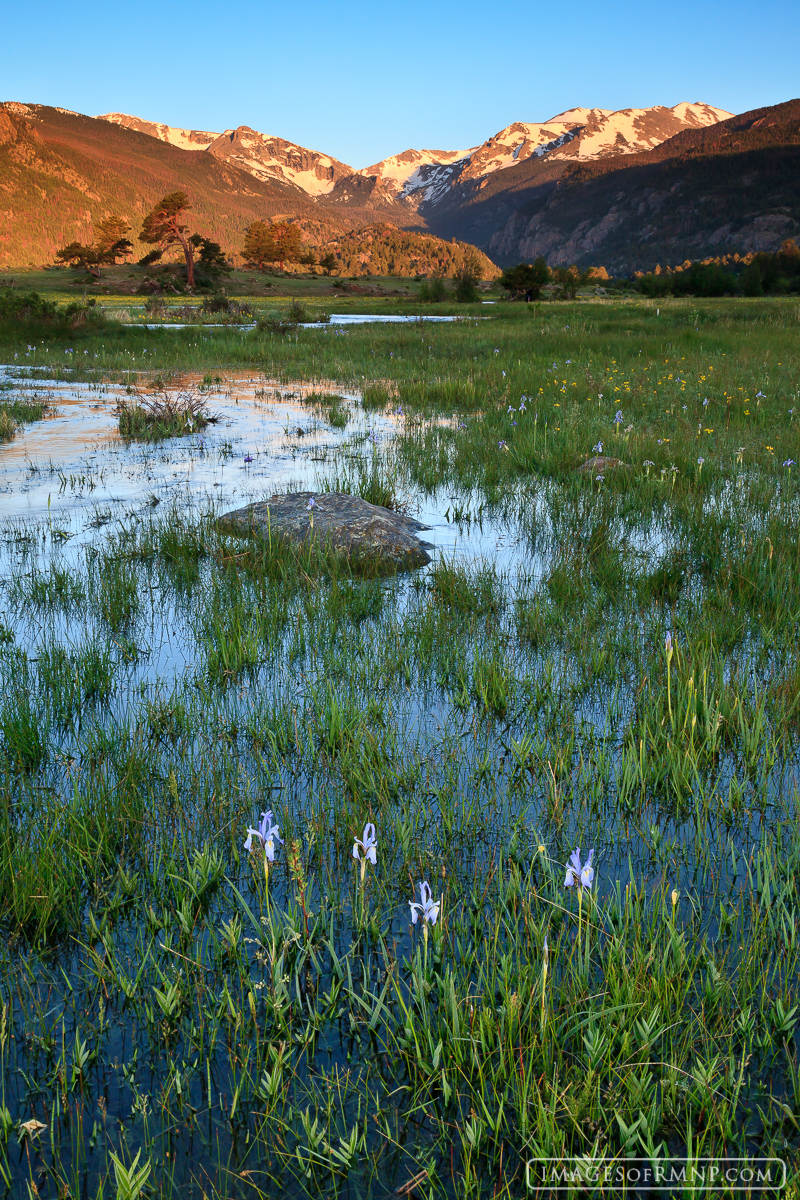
pixel 438 289
pixel 466 287
pixel 162 415
pixel 525 280
pixel 654 285
pixel 26 306
pixel 32 309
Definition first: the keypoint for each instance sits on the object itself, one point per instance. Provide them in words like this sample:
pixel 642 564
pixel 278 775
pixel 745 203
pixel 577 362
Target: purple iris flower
pixel 248 458
pixel 367 846
pixel 579 875
pixel 267 834
pixel 428 909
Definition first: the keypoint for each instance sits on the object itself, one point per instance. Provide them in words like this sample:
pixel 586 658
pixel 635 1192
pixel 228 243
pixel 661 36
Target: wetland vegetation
pixel 614 669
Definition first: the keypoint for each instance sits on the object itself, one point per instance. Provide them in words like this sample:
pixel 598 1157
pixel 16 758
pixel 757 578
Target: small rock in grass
pixel 599 464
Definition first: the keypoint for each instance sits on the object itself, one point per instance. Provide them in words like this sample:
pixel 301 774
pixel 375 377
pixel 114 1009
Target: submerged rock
pixel 344 524
pixel 600 463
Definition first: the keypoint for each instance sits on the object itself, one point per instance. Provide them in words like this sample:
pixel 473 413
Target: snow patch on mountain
pixel 184 139
pixel 632 130
pixel 274 158
pixel 696 115
pixel 406 170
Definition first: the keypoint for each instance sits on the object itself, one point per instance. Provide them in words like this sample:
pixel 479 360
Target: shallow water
pixel 75 459
pixel 75 469
pixel 335 319
pixel 366 318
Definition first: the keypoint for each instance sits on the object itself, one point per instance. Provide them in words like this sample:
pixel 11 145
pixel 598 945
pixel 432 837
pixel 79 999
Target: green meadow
pixel 607 661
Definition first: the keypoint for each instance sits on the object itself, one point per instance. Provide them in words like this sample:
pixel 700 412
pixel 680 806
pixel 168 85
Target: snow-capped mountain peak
pixel 426 176
pixel 274 158
pixel 405 169
pixel 260 155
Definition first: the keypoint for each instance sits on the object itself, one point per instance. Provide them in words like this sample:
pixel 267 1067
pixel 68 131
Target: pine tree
pixel 259 245
pixel 288 242
pixel 110 240
pixel 164 225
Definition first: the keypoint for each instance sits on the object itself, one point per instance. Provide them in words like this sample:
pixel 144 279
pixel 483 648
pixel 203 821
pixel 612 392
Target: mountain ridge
pixel 424 177
pixel 731 188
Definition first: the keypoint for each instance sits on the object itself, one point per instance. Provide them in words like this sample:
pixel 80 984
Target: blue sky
pixel 364 80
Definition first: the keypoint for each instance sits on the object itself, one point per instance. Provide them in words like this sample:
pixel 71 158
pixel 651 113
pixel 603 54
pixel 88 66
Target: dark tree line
pixel 764 275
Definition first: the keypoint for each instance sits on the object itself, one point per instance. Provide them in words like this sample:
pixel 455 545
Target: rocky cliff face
pixel 731 189
pixel 274 158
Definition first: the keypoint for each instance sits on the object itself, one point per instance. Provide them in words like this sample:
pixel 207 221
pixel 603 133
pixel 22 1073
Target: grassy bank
pixel 124 282
pixel 180 1011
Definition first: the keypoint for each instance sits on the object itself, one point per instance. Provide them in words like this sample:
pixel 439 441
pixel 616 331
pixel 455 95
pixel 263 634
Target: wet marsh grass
pixel 268 1032
pixel 16 412
pixel 161 415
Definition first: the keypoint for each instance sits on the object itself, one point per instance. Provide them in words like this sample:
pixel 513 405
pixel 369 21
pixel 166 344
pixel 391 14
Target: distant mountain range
pixel 531 188
pixel 426 177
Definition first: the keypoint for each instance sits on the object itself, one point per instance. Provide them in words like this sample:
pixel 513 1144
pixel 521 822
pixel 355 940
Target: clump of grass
pixel 335 408
pixel 376 396
pixel 17 412
pixel 8 426
pixel 465 588
pixel 23 734
pixel 162 415
pixel 370 479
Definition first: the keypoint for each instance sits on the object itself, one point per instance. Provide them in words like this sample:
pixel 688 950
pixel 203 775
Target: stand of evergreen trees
pixel 764 275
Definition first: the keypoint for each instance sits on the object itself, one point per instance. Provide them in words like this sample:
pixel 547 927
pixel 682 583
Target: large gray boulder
pixel 344 524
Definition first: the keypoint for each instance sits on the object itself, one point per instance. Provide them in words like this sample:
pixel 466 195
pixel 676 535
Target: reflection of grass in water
pixel 488 724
